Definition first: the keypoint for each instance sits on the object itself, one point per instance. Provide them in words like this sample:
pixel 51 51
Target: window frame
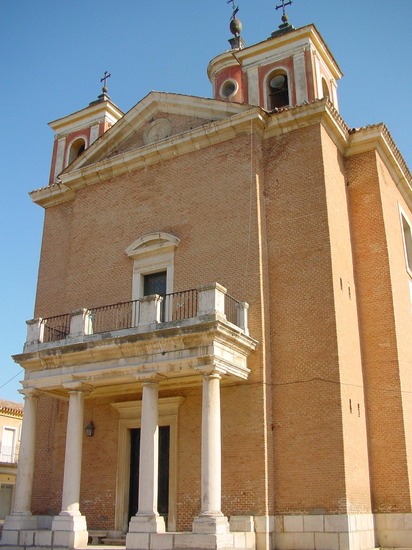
pixel 152 253
pixel 13 446
pixel 406 227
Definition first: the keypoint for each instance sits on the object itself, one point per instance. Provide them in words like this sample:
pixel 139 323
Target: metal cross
pixel 283 4
pixel 105 77
pixel 234 8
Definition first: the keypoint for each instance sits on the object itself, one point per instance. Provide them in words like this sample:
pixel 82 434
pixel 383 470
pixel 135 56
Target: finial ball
pixel 235 26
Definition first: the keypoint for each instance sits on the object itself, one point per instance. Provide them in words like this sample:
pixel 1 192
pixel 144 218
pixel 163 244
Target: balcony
pixel 175 337
pixel 9 454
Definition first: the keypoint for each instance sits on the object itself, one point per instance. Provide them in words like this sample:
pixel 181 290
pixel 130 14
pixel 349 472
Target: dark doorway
pixel 163 486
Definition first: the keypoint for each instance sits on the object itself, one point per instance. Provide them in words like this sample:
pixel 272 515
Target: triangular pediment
pixel 158 117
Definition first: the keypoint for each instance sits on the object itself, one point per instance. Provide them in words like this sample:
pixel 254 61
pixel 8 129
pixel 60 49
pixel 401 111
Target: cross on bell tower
pixel 285 26
pixel 283 6
pixel 104 80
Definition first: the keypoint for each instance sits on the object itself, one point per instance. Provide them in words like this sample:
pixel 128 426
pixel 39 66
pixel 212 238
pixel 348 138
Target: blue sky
pixel 54 53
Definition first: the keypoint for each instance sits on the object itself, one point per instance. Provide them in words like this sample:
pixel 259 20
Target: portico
pixel 85 365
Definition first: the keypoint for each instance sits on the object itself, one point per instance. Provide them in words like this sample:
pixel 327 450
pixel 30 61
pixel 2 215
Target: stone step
pixel 115 542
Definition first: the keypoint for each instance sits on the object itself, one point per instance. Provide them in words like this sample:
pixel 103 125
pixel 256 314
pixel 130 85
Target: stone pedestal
pixel 70 530
pixel 147 524
pixel 217 525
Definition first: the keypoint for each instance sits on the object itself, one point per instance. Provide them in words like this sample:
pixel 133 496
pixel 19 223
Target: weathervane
pixel 237 43
pixel 235 9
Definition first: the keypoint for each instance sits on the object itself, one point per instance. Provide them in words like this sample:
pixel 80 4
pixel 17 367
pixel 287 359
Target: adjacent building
pixel 11 416
pixel 220 352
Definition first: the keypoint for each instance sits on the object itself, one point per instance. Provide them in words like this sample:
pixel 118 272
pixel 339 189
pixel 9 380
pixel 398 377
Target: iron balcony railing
pixel 174 307
pixel 56 328
pixel 9 454
pixel 232 307
pixel 177 306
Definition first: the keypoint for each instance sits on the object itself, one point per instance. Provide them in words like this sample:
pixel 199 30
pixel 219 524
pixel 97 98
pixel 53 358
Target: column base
pixel 211 524
pixel 141 523
pixel 70 530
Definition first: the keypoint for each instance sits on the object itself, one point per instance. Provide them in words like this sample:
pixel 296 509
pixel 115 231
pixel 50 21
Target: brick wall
pixel 384 310
pixel 273 222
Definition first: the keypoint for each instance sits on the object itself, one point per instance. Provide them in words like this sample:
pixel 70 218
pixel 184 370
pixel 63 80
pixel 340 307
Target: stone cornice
pixel 130 356
pixel 145 110
pixel 254 55
pixel 180 144
pixel 377 138
pixel 255 119
pixel 86 116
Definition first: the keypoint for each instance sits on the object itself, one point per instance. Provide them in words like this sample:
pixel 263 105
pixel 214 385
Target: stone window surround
pixel 268 76
pixel 8 453
pixel 152 253
pixel 225 84
pixel 70 145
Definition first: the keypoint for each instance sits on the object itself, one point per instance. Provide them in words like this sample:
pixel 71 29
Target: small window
pixel 278 91
pixel 325 89
pixel 154 283
pixel 228 89
pixel 407 241
pixel 8 445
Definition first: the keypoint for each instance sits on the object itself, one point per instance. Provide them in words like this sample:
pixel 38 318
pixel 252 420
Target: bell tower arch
pixel 76 132
pixel 291 67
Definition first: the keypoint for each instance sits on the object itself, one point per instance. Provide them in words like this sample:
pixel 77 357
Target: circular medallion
pixel 157 130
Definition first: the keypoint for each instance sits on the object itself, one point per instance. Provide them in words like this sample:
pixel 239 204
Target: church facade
pixel 220 351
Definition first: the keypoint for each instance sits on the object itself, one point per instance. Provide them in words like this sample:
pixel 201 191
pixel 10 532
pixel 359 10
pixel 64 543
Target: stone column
pixel 211 519
pixel 147 519
pixel 70 526
pixel 21 517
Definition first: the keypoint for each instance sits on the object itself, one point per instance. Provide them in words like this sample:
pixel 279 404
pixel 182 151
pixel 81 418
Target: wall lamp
pixel 90 429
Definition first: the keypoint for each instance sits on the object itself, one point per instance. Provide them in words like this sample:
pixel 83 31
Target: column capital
pixel 29 392
pixel 209 371
pixel 78 386
pixel 149 378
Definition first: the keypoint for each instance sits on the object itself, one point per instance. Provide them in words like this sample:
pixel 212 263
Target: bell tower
pixel 77 131
pixel 291 67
